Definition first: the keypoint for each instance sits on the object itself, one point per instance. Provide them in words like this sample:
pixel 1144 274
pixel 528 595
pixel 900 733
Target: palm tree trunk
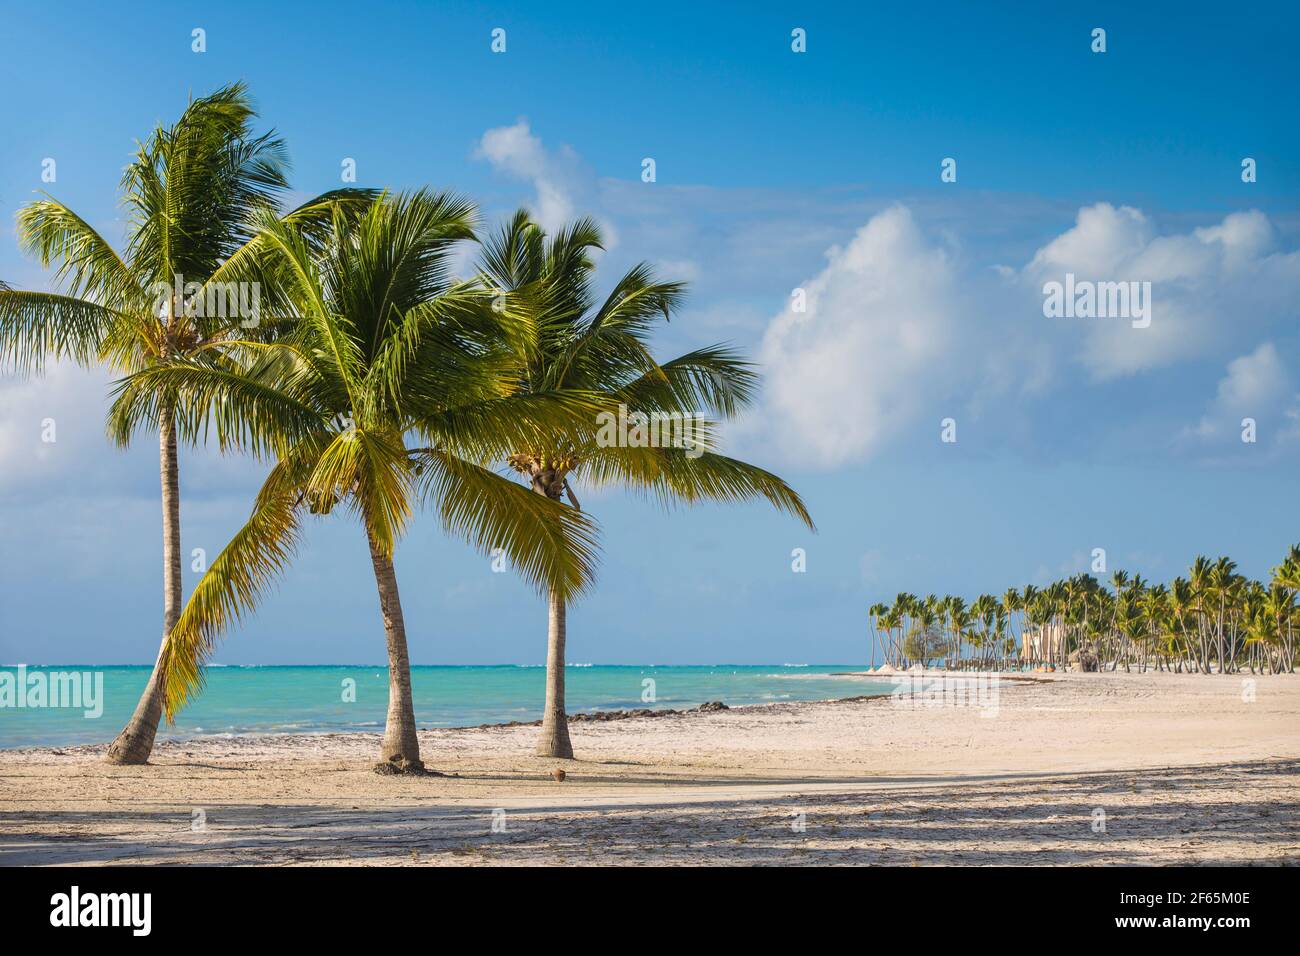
pixel 400 751
pixel 135 743
pixel 554 741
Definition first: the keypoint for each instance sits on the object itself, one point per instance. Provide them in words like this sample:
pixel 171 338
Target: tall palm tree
pixel 1157 616
pixel 567 338
pixel 1013 602
pixel 957 621
pixel 191 192
pixel 383 346
pixel 892 622
pixel 1222 583
pixel 1286 576
pixel 1182 605
pixel 877 614
pixel 1199 577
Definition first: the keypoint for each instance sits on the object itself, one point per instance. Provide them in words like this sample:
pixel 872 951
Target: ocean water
pixel 300 700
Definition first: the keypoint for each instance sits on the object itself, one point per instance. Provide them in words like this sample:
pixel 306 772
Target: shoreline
pixel 295 705
pixel 584 717
pixel 599 716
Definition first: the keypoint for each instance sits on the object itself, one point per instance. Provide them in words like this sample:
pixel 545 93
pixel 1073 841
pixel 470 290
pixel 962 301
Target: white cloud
pixel 1205 285
pixel 564 187
pixel 868 353
pixel 899 328
pixel 1098 244
pixel 1255 386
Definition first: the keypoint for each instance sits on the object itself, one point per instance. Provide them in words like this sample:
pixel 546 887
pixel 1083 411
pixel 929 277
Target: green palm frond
pixel 372 470
pixel 676 474
pixel 257 554
pixel 36 326
pixel 495 428
pixel 243 409
pixel 713 379
pixel 512 257
pixel 425 350
pixel 562 340
pixel 248 264
pixel 552 545
pixel 193 188
pixel 637 301
pixel 86 266
pixel 407 243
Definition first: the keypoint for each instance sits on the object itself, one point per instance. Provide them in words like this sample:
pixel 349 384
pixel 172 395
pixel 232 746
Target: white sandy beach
pixel 1180 769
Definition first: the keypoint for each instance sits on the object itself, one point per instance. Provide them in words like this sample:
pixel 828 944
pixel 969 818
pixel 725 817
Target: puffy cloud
pixel 1241 236
pixel 1205 285
pixel 861 361
pixel 564 187
pixel 898 327
pixel 1098 244
pixel 1255 386
pixel 1253 380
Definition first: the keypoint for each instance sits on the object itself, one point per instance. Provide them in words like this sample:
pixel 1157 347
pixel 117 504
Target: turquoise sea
pixel 304 700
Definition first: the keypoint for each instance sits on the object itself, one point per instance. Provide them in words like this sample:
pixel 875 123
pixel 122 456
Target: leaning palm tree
pixel 191 192
pixel 382 348
pixel 567 338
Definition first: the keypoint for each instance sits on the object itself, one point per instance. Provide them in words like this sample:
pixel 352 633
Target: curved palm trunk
pixel 400 750
pixel 135 743
pixel 554 741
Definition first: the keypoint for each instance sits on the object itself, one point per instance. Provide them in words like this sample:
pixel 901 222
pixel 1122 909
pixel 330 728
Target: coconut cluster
pixel 535 462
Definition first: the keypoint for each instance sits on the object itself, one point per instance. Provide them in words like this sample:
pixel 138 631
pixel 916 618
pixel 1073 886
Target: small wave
pixel 797 676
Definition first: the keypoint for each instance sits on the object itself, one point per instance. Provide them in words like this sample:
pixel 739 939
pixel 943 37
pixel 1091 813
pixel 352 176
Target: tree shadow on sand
pixel 1183 815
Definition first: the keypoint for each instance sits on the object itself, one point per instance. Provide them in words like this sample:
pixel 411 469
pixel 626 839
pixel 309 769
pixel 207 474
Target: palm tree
pixel 1157 616
pixel 1182 605
pixel 877 614
pixel 923 641
pixel 1199 577
pixel 891 620
pixel 192 193
pixel 383 346
pixel 1287 577
pixel 1219 587
pixel 1030 604
pixel 959 622
pixel 1012 602
pixel 566 338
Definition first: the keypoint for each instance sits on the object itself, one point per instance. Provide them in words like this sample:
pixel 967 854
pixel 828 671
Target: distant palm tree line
pixel 372 380
pixel 1212 620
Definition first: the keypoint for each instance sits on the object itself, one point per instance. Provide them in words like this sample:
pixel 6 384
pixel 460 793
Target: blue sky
pixel 775 171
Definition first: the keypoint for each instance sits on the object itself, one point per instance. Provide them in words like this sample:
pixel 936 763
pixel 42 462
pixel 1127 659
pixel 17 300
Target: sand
pixel 1077 768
